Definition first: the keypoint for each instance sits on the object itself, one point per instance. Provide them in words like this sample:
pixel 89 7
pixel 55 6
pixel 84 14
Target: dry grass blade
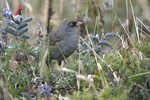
pixel 4 90
pixel 86 79
pixel 68 70
pixel 135 22
pixel 144 32
pixel 100 59
pixel 62 53
pixel 139 74
pixel 142 24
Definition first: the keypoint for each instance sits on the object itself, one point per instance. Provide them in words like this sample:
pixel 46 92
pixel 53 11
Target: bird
pixel 64 41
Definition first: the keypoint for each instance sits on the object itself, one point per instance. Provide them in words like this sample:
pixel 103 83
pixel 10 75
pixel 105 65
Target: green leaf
pixel 73 56
pixel 21 31
pixel 25 36
pixel 21 87
pixel 97 35
pixel 48 57
pixel 23 24
pixel 19 18
pixel 84 45
pixel 27 96
pixel 16 21
pixel 107 35
pixel 12 24
pixel 104 42
pixel 27 19
pixel 86 10
pixel 82 48
pixel 77 55
pixel 37 52
pixel 11 31
pixel 11 87
pixel 95 39
pixel 97 48
pixel 32 54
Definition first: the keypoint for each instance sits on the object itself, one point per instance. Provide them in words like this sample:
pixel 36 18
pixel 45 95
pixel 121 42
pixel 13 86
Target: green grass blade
pixel 11 87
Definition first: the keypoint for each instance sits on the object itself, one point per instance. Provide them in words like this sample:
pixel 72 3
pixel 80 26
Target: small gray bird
pixel 64 42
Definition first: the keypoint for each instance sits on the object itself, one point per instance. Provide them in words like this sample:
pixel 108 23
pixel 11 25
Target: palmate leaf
pixel 25 36
pixel 83 44
pixel 27 19
pixel 107 35
pixel 22 31
pixel 19 18
pixel 95 39
pixel 16 21
pixel 11 31
pixel 27 96
pixel 12 24
pixel 22 25
pixel 97 48
pixel 97 35
pixel 32 54
pixel 104 42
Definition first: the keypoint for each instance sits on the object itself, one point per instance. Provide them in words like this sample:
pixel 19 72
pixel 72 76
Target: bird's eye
pixel 71 24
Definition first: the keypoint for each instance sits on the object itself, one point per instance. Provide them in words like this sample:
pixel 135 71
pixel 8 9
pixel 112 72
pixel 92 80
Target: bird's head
pixel 68 27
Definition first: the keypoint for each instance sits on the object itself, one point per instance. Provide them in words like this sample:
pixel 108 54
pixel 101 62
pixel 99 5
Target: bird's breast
pixel 69 45
pixel 64 48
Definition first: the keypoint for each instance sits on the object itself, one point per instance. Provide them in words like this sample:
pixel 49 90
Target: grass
pixel 112 61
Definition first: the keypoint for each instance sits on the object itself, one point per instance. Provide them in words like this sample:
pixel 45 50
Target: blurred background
pixel 76 9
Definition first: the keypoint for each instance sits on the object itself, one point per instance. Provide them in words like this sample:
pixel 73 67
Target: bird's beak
pixel 78 23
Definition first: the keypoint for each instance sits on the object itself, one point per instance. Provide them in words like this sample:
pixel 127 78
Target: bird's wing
pixel 54 38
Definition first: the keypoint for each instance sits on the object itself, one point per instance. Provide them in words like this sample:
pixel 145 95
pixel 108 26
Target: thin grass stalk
pixel 4 89
pixel 143 24
pixel 127 12
pixel 100 59
pixel 43 69
pixel 1 32
pixel 12 88
pixel 78 80
pixel 135 22
pixel 77 9
pixel 86 27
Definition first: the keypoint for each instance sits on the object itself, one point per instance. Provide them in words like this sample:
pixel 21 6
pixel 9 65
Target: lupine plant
pixel 45 90
pixel 90 74
pixel 17 27
pixel 96 43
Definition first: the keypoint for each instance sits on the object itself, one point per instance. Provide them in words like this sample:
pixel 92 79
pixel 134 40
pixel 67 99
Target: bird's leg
pixel 59 63
pixel 48 63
